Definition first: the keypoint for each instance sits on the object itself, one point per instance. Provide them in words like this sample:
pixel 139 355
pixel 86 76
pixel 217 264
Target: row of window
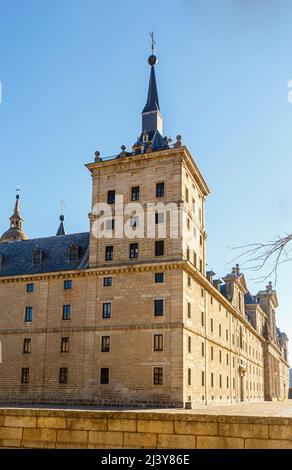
pixel 107 282
pixel 134 250
pixel 135 193
pixel 38 254
pixel 106 310
pixel 105 344
pixel 258 386
pixel 104 375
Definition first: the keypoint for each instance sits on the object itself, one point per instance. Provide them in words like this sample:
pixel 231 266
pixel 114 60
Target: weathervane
pixel 62 204
pixel 153 43
pixel 17 191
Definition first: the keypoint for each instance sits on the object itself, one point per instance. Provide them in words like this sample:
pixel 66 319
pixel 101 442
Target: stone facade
pixel 210 342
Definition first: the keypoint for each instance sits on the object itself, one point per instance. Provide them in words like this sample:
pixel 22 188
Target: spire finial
pixel 61 229
pixel 152 60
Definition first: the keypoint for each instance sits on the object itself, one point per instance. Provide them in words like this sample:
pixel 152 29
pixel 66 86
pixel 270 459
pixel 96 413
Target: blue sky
pixel 74 79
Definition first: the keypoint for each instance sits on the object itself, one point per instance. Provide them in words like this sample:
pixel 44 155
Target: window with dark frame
pixel 158 342
pixel 159 277
pixel 30 287
pixel 159 189
pixel 109 253
pixel 37 256
pixel 68 284
pixel 105 343
pixel 27 345
pixel 28 314
pixel 107 281
pixel 66 312
pixel 111 197
pixel 65 344
pixel 134 250
pixel 189 376
pixel 73 253
pixel 63 375
pixel 159 218
pixel 189 310
pixel 158 376
pixel 25 375
pixel 106 310
pixel 135 195
pixel 189 344
pixel 159 248
pixel 158 307
pixel 104 375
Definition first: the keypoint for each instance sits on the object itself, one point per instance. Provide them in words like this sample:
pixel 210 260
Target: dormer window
pixel 145 137
pixel 73 253
pixel 37 255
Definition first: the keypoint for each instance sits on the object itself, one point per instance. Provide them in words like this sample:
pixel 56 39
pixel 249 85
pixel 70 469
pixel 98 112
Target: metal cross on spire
pixel 153 43
pixel 18 189
pixel 62 204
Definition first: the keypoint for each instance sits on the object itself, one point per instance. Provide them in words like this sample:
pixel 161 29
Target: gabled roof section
pixel 18 256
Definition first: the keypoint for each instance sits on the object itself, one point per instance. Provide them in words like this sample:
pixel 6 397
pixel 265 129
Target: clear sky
pixel 74 79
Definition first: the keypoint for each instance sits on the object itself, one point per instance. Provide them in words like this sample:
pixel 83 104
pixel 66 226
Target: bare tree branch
pixel 257 256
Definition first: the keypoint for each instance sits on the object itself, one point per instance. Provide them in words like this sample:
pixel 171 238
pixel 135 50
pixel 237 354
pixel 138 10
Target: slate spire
pixel 61 229
pixel 151 116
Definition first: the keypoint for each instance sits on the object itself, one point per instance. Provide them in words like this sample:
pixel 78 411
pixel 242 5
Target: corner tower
pixel 15 232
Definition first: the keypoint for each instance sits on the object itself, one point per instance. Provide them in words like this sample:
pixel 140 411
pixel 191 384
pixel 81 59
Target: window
pixel 134 221
pixel 159 248
pixel 188 254
pixel 227 382
pixel 189 310
pixel 202 318
pixel 158 342
pixel 189 281
pixel 68 284
pixel 189 344
pixel 66 312
pixel 220 356
pixel 135 193
pixel 25 375
pixel 187 195
pixel 111 197
pixel 110 224
pixel 212 379
pixel 159 189
pixel 37 255
pixel 106 310
pixel 104 375
pixel 109 253
pixel 227 359
pixel 203 378
pixel 73 253
pixel 158 376
pixel 220 330
pixel 107 281
pixel 28 314
pixel 159 277
pixel 63 375
pixel 195 259
pixel 220 380
pixel 212 325
pixel 105 343
pixel 201 266
pixel 30 287
pixel 189 376
pixel 226 335
pixel 202 292
pixel 212 353
pixel 65 345
pixel 188 223
pixel 203 349
pixel 27 345
pixel 159 218
pixel 133 250
pixel 201 240
pixel 158 307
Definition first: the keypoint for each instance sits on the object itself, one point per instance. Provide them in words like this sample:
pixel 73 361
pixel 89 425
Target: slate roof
pixel 249 299
pixel 17 256
pixel 158 142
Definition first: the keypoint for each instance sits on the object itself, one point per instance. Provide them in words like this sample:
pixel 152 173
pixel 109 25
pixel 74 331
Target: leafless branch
pixel 257 256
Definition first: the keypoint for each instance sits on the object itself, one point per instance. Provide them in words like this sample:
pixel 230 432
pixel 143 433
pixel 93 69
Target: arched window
pixel 73 253
pixel 37 255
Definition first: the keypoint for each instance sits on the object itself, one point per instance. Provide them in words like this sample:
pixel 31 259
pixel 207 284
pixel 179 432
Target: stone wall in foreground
pixel 43 428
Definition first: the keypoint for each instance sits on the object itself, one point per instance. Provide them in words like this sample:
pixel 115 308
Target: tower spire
pixel 151 116
pixel 15 232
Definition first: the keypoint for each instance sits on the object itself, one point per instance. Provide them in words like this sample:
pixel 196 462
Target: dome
pixel 13 235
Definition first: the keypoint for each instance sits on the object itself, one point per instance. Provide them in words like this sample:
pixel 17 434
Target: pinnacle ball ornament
pixel 152 60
